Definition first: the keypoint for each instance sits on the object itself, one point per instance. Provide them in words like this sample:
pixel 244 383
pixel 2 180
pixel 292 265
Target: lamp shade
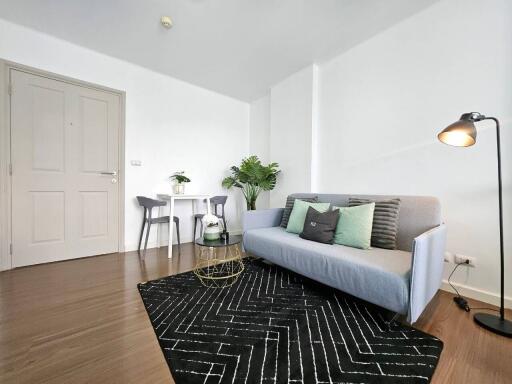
pixel 462 133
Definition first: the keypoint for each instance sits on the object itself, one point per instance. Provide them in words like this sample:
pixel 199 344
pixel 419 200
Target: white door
pixel 64 144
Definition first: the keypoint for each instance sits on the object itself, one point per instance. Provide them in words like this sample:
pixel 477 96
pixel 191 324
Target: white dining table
pixel 171 198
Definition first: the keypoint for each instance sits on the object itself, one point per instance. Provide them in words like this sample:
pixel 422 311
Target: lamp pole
pixel 500 200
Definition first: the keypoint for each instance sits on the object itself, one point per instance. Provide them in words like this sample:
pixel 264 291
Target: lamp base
pixel 494 324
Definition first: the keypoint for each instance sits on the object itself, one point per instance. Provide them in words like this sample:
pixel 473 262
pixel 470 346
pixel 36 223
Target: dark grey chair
pixel 148 205
pixel 215 202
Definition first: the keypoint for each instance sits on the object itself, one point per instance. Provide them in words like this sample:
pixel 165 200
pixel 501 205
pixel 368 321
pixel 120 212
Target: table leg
pixel 158 233
pixel 208 208
pixel 193 219
pixel 171 227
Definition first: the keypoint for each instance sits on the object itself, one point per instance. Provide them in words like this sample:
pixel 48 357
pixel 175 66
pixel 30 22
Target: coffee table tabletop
pixel 233 240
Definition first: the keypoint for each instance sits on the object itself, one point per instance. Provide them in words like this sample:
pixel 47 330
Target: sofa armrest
pixel 427 269
pixel 263 218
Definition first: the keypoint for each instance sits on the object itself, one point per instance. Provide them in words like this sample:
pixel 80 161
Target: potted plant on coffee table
pixel 179 180
pixel 252 178
pixel 211 225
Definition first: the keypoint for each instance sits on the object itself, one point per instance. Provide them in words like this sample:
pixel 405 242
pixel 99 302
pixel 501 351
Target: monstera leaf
pixel 252 177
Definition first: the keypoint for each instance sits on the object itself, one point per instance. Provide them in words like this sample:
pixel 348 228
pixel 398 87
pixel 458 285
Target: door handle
pixel 109 173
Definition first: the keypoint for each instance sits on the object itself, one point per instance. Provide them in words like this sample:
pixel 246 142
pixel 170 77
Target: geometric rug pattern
pixel 275 326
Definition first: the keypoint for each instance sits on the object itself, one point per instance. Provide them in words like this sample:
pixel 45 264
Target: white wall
pixel 292 124
pixel 170 125
pixel 259 139
pixel 383 102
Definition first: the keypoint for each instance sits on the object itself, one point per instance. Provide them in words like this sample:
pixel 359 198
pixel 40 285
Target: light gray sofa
pixel 403 280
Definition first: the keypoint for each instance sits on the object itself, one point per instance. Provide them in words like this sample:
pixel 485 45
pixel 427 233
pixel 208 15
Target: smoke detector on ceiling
pixel 166 22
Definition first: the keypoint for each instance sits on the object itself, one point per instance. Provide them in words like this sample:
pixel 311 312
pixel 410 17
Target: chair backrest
pixel 218 200
pixel 148 203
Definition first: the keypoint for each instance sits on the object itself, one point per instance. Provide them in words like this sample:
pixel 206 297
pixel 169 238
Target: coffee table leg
pixel 215 274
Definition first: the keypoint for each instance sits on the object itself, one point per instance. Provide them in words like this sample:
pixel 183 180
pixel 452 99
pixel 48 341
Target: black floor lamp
pixel 462 133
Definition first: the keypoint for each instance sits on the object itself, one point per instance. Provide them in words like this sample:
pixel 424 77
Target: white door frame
pixel 6 261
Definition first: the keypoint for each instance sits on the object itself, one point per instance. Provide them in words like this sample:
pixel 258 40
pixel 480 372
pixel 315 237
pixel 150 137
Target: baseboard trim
pixel 153 244
pixel 477 294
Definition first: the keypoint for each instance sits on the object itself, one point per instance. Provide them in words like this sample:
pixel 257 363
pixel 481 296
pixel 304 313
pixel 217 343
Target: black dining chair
pixel 148 205
pixel 215 202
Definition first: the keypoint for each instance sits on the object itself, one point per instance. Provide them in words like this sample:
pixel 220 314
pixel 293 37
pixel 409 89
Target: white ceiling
pixel 235 47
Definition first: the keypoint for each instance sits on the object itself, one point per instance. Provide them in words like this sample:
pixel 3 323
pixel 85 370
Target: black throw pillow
pixel 320 226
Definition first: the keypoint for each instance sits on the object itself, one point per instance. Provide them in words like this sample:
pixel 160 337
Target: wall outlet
pixel 448 257
pixel 463 258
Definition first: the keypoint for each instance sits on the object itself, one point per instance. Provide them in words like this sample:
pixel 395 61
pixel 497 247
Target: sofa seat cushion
pixel 379 276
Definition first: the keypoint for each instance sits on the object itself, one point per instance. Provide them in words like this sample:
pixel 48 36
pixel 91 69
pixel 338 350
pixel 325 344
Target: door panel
pixel 48 123
pixel 97 124
pixel 94 219
pixel 48 216
pixel 63 136
pixel 40 113
pixel 94 129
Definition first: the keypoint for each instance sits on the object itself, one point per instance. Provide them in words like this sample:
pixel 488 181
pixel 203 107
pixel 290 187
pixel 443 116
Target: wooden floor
pixel 82 321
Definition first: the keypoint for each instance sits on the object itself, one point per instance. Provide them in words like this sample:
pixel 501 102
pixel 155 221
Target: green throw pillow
pixel 298 215
pixel 354 227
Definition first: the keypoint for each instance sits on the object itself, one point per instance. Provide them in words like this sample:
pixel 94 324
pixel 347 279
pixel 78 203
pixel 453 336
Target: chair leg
pixel 147 236
pixel 224 221
pixel 142 232
pixel 178 233
pixel 195 228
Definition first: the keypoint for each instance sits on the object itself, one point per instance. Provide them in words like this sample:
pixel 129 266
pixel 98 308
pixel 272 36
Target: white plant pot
pixel 212 233
pixel 179 189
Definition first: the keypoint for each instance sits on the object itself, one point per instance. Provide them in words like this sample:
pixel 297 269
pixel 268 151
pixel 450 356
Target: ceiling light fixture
pixel 166 22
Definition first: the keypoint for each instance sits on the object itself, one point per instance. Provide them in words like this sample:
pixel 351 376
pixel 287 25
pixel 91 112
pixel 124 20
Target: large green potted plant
pixel 252 178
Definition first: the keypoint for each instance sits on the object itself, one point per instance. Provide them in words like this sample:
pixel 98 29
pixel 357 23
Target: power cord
pixel 461 302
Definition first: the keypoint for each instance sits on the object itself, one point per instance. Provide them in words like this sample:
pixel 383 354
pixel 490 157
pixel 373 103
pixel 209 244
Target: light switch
pixel 136 163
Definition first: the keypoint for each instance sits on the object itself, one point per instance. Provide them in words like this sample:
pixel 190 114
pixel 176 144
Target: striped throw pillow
pixel 289 206
pixel 385 221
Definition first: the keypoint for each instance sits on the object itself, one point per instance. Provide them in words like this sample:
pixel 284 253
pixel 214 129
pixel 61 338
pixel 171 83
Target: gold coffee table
pixel 220 262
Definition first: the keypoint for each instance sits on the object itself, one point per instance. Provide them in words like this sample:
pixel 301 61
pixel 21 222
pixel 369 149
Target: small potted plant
pixel 211 227
pixel 179 180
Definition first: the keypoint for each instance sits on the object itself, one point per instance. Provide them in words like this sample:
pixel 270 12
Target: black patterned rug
pixel 274 326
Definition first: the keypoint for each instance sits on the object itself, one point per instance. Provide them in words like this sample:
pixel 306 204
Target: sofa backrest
pixel 418 214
